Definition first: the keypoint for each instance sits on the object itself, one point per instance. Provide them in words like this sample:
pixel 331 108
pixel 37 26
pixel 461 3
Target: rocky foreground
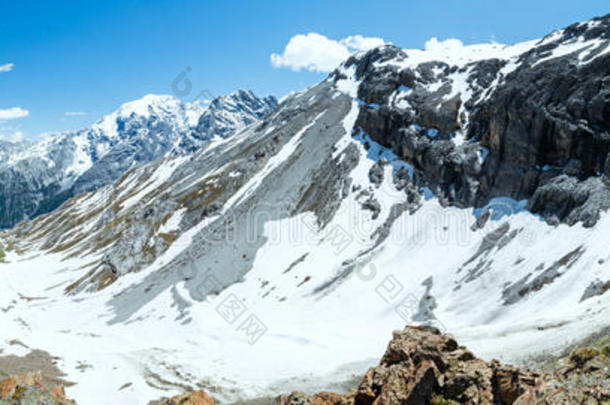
pixel 423 366
pixel 420 366
pixel 31 389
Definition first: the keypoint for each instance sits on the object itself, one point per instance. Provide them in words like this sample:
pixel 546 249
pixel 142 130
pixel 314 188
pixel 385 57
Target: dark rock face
pixel 567 199
pixel 553 114
pixel 535 125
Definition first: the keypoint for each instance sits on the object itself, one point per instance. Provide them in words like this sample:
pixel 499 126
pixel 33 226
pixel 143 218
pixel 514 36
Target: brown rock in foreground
pixel 193 398
pixel 423 366
pixel 29 389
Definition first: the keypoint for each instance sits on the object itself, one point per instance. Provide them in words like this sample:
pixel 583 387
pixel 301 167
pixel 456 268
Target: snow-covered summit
pixel 138 132
pixel 163 107
pixel 227 114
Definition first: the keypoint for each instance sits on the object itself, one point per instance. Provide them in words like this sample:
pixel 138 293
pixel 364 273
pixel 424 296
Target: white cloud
pixel 312 52
pixel 13 113
pixel 451 44
pixel 360 43
pixel 15 137
pixel 315 52
pixel 6 67
pixel 75 113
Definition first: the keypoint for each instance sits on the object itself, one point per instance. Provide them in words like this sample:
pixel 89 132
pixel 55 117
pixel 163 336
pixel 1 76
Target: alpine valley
pixel 251 248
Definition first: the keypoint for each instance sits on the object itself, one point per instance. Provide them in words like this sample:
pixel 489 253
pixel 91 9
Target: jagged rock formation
pixel 531 121
pixel 423 366
pixel 37 178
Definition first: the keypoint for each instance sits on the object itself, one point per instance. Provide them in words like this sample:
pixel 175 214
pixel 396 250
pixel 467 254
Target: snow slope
pixel 311 337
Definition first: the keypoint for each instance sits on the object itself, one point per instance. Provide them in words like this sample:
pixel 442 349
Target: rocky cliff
pixel 529 121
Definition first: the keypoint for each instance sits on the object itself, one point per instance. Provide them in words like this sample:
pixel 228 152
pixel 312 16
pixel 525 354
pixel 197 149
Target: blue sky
pixel 90 57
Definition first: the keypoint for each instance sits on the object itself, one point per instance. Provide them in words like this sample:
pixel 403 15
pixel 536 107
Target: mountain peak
pixel 148 103
pixel 137 133
pixel 228 114
pixel 147 107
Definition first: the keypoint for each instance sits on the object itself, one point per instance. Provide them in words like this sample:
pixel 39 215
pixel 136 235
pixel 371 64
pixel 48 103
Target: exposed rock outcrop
pixel 423 366
pixel 29 389
pixel 529 122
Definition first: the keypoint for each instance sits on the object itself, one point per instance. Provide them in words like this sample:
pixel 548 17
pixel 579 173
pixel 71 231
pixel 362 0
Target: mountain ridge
pixel 47 173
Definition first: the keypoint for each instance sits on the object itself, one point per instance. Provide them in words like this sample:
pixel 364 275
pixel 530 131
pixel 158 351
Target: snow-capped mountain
pixel 36 178
pixel 226 115
pixel 464 186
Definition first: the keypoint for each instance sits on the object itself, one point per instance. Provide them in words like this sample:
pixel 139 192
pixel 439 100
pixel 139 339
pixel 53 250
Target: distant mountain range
pixel 36 178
